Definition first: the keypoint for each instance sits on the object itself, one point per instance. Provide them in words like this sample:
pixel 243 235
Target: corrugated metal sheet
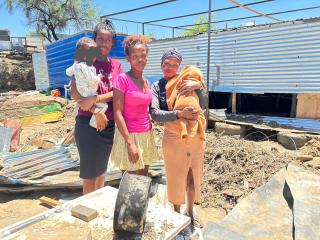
pixel 60 56
pixel 37 163
pixel 40 68
pixel 5 35
pixel 275 58
pixel 6 134
pixel 217 114
pixel 194 51
pixel 5 45
pixel 308 125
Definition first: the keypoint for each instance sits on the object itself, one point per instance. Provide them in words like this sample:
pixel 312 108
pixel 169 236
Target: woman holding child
pixel 95 143
pixel 183 154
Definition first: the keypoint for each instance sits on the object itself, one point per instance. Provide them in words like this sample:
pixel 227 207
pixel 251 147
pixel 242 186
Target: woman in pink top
pixel 134 147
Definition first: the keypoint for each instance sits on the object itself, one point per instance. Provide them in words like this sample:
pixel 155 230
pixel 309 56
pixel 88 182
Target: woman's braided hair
pixel 106 25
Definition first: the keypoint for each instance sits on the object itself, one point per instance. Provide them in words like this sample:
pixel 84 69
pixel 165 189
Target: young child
pixel 84 72
pixel 179 102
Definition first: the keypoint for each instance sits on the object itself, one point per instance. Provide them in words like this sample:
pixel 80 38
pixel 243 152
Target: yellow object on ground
pixel 43 118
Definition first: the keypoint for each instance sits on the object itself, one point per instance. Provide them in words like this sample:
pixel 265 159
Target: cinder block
pixel 84 213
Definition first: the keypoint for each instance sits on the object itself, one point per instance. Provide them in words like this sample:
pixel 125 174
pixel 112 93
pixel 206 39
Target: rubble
pixel 16 72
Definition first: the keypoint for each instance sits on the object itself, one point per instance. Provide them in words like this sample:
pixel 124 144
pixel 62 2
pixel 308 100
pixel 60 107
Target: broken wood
pixel 304 158
pixel 49 201
pixel 42 143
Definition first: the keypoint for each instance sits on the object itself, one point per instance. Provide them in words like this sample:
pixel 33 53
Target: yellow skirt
pixel 147 151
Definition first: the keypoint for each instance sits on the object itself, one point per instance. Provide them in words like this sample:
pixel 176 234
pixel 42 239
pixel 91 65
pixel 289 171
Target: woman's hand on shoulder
pixel 187 86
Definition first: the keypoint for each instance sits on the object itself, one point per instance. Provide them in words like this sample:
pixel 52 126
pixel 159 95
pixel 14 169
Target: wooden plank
pixel 308 105
pixel 293 111
pixel 49 201
pixel 234 102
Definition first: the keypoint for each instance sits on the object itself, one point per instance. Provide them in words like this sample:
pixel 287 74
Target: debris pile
pixel 233 168
pixel 16 72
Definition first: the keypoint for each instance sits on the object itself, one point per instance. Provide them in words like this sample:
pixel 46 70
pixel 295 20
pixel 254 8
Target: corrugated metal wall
pixel 60 56
pixel 5 45
pixel 4 35
pixel 40 68
pixel 276 58
pixel 194 51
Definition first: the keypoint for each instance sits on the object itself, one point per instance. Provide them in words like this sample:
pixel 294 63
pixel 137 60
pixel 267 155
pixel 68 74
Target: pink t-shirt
pixel 110 68
pixel 136 104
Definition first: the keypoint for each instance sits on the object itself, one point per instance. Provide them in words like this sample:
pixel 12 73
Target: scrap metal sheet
pixel 287 207
pixel 5 138
pixel 35 164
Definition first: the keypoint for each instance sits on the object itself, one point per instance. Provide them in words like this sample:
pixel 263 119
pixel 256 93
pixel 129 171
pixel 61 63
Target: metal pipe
pixel 253 16
pixel 139 8
pixel 215 10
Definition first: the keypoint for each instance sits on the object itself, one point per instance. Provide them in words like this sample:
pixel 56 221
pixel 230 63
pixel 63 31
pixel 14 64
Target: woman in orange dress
pixel 183 156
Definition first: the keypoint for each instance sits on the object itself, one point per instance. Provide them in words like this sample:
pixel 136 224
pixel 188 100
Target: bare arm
pixel 166 115
pixel 158 114
pixel 104 98
pixel 118 103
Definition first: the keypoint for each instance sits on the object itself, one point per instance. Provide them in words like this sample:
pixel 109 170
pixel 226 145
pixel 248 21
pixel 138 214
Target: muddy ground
pixel 233 169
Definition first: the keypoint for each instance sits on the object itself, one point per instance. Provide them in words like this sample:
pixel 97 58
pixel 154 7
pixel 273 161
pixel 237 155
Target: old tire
pixel 131 203
pixel 291 141
pixel 230 129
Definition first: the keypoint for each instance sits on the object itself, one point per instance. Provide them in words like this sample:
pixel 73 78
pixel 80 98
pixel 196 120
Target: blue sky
pixel 16 21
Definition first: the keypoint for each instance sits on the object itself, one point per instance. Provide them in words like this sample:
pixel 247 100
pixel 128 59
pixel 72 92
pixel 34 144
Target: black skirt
pixel 94 147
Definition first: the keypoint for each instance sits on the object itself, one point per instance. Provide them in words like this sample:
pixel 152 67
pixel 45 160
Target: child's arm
pixel 104 98
pixel 69 71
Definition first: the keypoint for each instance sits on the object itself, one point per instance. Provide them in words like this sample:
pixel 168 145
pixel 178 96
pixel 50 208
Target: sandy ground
pixel 233 169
